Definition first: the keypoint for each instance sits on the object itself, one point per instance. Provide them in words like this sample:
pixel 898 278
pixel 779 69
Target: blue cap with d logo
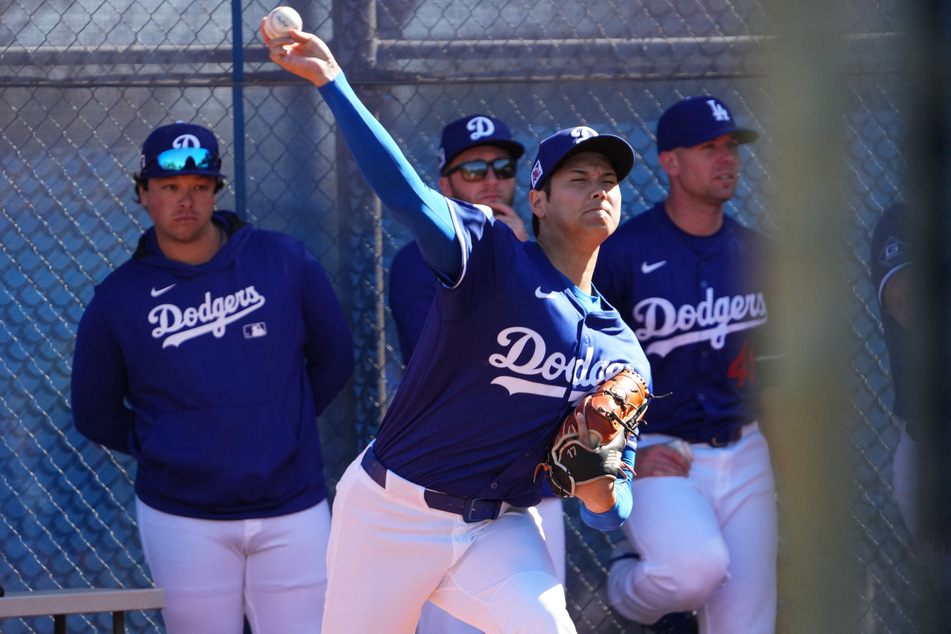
pixel 555 149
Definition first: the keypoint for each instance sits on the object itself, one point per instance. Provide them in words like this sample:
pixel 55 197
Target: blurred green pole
pixel 807 76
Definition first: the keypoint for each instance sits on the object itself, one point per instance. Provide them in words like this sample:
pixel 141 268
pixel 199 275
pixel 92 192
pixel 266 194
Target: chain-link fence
pixel 82 84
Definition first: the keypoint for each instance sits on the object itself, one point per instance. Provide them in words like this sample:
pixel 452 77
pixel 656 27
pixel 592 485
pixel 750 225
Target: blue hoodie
pixel 212 376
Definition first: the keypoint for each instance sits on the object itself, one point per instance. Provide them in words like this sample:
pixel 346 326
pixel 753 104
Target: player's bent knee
pixel 690 587
pixel 694 580
pixel 530 603
pixel 691 591
pixel 645 591
pixel 689 570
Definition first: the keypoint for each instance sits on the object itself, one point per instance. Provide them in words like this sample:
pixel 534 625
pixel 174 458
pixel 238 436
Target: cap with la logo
pixel 696 120
pixel 555 149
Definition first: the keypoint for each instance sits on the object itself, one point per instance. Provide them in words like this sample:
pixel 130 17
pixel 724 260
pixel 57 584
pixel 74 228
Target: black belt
pixel 471 509
pixel 724 439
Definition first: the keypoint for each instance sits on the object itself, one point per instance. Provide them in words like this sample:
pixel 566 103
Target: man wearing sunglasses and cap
pixel 477 163
pixel 693 284
pixel 439 506
pixel 208 357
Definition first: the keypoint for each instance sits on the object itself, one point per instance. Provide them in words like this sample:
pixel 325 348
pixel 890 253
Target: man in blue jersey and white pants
pixel 692 284
pixel 438 507
pixel 478 162
pixel 208 356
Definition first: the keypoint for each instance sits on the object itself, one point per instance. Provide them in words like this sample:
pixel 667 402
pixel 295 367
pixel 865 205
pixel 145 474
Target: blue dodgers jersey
pixel 698 307
pixel 891 251
pixel 502 357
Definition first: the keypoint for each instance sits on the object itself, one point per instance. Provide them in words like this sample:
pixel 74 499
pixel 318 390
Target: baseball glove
pixel 590 440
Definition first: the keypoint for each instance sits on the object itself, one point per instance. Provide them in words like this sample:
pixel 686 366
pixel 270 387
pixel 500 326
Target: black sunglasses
pixel 473 171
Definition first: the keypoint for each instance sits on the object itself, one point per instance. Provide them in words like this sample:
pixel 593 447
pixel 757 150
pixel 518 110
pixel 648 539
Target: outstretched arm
pixel 422 209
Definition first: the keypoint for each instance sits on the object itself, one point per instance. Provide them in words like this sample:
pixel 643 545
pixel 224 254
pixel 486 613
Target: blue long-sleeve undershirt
pixel 423 210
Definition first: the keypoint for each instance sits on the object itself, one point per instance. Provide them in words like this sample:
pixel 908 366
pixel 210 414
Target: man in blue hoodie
pixel 208 357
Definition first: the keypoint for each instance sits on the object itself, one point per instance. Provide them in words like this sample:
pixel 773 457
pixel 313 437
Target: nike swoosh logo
pixel 650 268
pixel 162 291
pixel 540 294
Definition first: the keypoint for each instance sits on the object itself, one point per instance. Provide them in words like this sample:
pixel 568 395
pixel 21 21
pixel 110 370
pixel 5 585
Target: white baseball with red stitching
pixel 281 20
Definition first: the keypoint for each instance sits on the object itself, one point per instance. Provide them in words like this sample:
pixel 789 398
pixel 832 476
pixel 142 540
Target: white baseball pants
pixel 705 542
pixel 435 620
pixel 215 572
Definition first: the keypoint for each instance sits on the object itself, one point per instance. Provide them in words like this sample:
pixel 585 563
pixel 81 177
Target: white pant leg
pixel 435 620
pixel 387 553
pixel 552 512
pixel 286 577
pixel 745 503
pixel 705 542
pixel 681 556
pixel 505 581
pixel 200 565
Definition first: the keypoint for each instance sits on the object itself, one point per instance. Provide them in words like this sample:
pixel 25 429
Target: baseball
pixel 281 20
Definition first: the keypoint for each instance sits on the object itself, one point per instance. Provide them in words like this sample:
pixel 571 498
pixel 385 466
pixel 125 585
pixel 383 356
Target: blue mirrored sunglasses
pixel 183 158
